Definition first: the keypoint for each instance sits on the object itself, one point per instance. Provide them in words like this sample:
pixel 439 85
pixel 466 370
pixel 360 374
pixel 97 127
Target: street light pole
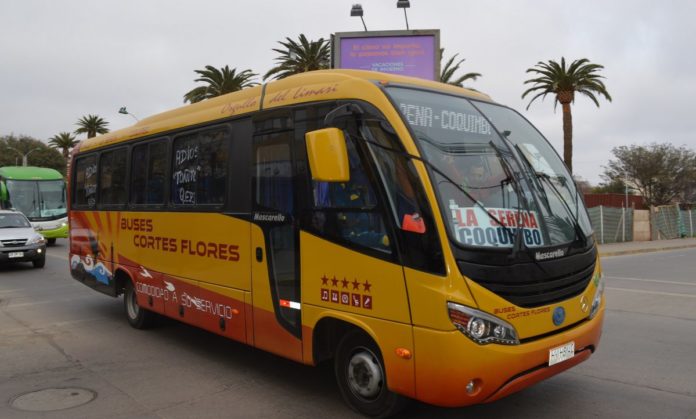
pixel 125 112
pixel 25 156
pixel 404 4
pixel 357 10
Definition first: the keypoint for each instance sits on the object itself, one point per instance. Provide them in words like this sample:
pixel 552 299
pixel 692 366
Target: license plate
pixel 561 353
pixel 16 254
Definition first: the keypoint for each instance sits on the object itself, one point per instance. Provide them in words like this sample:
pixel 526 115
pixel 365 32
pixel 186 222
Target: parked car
pixel 18 240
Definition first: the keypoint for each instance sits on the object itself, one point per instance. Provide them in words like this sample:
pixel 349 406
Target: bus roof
pixel 305 87
pixel 29 173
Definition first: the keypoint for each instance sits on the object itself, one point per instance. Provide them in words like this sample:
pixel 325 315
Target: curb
pixel 643 250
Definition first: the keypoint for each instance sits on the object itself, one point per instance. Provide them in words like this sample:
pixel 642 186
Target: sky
pixel 61 60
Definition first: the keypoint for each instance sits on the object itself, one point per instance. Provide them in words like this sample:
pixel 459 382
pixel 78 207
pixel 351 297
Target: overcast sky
pixel 60 60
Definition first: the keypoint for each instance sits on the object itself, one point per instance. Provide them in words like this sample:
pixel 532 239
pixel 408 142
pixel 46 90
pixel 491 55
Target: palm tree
pixel 91 125
pixel 581 77
pixel 219 82
pixel 451 67
pixel 63 141
pixel 298 57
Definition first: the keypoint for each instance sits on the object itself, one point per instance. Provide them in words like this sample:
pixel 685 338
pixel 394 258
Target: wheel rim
pixel 132 305
pixel 365 376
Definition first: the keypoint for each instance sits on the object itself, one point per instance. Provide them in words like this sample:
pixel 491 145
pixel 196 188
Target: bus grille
pixel 14 242
pixel 531 285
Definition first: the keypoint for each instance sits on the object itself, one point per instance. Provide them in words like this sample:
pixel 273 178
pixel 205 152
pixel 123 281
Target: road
pixel 57 334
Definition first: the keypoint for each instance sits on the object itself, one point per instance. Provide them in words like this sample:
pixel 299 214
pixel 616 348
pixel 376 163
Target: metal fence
pixel 612 225
pixel 669 222
pixel 689 221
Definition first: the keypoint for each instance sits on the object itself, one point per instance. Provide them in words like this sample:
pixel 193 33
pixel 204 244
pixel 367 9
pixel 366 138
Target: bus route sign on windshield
pixel 497 228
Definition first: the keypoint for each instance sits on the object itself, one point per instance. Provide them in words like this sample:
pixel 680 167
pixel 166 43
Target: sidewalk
pixel 629 248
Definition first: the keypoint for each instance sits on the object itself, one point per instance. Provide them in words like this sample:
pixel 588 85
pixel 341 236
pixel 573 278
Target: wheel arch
pixel 329 330
pixel 121 275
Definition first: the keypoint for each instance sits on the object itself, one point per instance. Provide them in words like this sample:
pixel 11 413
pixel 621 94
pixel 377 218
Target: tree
pixel 447 73
pixel 63 141
pixel 299 57
pixel 661 173
pixel 219 82
pixel 13 148
pixel 583 185
pixel 91 125
pixel 564 82
pixel 613 186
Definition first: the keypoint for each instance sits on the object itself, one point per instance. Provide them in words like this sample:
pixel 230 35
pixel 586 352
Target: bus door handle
pixel 259 254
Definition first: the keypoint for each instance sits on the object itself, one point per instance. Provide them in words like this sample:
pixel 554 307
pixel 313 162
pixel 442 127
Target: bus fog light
pixel 471 387
pixel 39 250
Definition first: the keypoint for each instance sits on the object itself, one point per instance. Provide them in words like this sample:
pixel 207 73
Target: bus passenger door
pixel 275 242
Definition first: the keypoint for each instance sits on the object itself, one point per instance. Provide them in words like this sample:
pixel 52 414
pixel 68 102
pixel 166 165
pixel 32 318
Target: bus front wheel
pixel 137 316
pixel 361 377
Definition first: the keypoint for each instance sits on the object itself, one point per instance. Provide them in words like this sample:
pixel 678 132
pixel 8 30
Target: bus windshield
pixel 38 200
pixel 495 175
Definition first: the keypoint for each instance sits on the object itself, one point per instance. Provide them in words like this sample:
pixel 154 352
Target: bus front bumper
pixel 446 362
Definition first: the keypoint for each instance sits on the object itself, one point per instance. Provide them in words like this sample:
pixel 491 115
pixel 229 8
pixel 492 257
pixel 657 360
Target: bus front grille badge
pixel 558 316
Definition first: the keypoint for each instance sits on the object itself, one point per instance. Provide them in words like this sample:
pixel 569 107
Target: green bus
pixel 39 193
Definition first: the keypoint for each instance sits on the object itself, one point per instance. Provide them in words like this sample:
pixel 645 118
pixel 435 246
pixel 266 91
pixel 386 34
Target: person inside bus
pixel 355 199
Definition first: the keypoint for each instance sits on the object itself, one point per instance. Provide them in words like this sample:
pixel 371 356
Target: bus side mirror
pixel 328 156
pixel 3 192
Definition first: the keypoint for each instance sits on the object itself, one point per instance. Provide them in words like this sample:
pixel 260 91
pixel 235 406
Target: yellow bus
pixel 426 240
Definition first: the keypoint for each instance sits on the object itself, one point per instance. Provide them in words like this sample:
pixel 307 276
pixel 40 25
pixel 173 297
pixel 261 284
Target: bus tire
pixel 361 377
pixel 51 241
pixel 138 317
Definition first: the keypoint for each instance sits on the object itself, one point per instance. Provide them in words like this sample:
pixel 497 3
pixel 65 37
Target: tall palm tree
pixel 91 125
pixel 580 76
pixel 298 57
pixel 447 73
pixel 219 82
pixel 63 141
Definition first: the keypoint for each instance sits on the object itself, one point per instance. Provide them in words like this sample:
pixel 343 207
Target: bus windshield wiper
pixel 460 148
pixel 541 176
pixel 573 216
pixel 517 246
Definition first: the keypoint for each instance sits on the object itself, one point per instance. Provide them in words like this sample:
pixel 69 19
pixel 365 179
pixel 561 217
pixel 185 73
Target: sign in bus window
pixel 495 227
pixel 199 168
pixel 86 181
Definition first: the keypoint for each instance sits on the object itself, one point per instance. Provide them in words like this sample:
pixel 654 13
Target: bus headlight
pixel 597 300
pixel 481 327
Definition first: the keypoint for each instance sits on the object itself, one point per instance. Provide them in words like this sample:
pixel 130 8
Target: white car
pixel 18 240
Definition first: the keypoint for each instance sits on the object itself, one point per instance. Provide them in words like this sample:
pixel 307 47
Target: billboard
pixel 407 53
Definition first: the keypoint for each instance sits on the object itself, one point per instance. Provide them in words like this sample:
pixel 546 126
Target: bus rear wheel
pixel 361 377
pixel 138 317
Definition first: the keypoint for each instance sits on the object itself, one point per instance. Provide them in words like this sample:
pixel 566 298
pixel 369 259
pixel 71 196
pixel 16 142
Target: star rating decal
pixel 359 298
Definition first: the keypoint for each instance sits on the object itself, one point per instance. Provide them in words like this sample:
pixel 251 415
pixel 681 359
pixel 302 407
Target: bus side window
pixel 112 177
pixel 199 167
pixel 86 182
pixel 419 241
pixel 348 211
pixel 148 173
